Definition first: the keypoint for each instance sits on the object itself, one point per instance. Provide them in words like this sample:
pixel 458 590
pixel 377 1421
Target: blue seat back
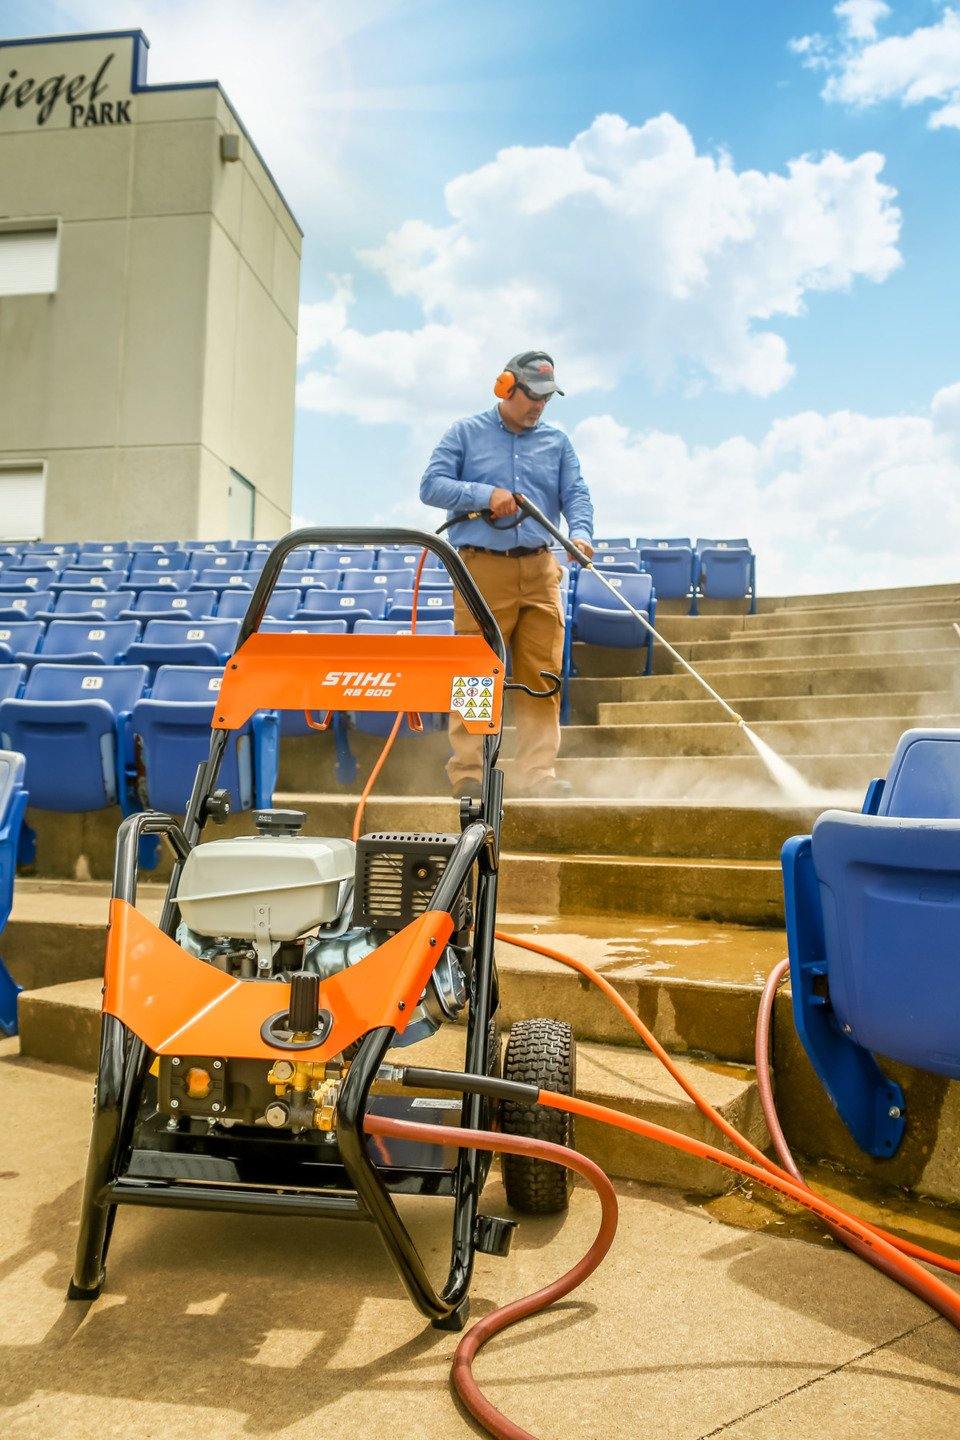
pixel 229 560
pixel 70 726
pixel 638 589
pixel 101 560
pixel 671 568
pixel 155 547
pixel 224 580
pixel 221 634
pixel 105 638
pixel 661 542
pixel 180 581
pixel 390 560
pixel 25 607
pixel 725 574
pixel 11 679
pixel 160 562
pixel 890 898
pixel 208 547
pixel 20 637
pixel 90 603
pixel 923 781
pixel 402 627
pixel 361 579
pixel 613 542
pixel 361 605
pixel 165 602
pixel 282 605
pixel 26 582
pixel 304 626
pixel 737 543
pixel 296 579
pixel 104 581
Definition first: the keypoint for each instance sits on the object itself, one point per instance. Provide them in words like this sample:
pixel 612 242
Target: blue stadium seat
pixel 613 542
pixel 87 605
pixel 599 620
pixel 728 575
pixel 96 582
pixel 171 604
pixel 180 580
pixel 173 732
pixel 390 560
pixel 85 642
pixel 432 604
pixel 51 547
pixel 385 580
pixel 160 562
pixel 739 543
pixel 380 722
pixel 110 547
pixel 659 542
pixel 619 559
pixel 19 637
pixel 223 580
pixel 230 560
pixel 37 564
pixel 672 569
pixel 282 605
pixel 100 560
pixel 13 803
pixel 28 606
pixel 256 559
pixel 333 604
pixel 873 932
pixel 72 724
pixel 326 560
pixel 436 578
pixel 11 679
pixel 183 642
pixel 158 547
pixel 26 582
pixel 208 547
pixel 255 547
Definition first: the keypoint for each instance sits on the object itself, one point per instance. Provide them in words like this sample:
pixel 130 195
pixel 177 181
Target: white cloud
pixel 624 250
pixel 859 17
pixel 829 501
pixel 323 321
pixel 918 68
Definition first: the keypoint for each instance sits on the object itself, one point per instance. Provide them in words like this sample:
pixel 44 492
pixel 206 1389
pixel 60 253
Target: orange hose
pixel 936 1292
pixel 905 1247
pixel 395 730
pixel 492 1419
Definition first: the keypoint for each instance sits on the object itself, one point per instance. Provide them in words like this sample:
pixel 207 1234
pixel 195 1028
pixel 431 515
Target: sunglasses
pixel 538 399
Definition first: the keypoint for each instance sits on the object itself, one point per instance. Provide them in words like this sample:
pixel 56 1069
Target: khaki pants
pixel 523 591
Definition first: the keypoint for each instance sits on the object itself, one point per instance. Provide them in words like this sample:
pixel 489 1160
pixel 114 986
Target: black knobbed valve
pixel 304 1012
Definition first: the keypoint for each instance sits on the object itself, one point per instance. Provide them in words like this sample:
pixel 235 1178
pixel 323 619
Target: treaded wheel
pixel 542 1053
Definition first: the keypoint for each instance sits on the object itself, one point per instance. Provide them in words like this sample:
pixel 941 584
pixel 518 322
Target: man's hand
pixel 586 547
pixel 502 504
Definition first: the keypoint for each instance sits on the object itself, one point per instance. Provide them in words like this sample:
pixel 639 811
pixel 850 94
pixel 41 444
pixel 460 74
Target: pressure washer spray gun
pixel 527 507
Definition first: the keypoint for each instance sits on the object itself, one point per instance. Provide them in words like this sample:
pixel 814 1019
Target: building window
pixel 22 494
pixel 29 257
pixel 240 505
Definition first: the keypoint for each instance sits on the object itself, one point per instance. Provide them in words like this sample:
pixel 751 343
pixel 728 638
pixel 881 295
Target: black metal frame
pixel 124 1059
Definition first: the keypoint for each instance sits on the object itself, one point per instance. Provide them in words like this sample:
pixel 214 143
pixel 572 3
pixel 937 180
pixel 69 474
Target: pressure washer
pixel 254 1042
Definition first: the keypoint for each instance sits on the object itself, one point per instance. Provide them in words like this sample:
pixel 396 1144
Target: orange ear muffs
pixel 505 384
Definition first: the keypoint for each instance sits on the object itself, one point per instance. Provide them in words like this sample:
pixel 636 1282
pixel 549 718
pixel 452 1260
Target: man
pixel 478 465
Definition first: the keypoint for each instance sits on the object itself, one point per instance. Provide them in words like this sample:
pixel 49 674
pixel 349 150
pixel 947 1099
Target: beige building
pixel 149 282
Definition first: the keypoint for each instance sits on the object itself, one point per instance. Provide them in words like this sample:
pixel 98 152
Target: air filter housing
pixel 396 876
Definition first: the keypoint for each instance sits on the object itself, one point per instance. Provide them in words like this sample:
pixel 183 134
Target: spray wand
pixel 575 553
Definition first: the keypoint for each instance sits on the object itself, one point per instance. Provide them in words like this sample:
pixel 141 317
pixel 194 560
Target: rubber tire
pixel 542 1053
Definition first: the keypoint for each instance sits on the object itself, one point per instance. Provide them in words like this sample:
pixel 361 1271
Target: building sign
pixel 66 84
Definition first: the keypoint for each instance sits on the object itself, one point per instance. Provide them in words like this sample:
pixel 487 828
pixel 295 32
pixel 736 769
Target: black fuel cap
pixel 280 822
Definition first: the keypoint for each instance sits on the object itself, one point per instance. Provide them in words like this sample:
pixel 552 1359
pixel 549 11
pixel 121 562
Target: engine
pixel 280 905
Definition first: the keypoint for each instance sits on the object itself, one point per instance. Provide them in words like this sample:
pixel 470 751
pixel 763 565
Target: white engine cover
pixel 225 885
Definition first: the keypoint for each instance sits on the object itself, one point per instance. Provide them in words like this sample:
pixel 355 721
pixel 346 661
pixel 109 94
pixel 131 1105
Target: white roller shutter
pixel 28 261
pixel 22 493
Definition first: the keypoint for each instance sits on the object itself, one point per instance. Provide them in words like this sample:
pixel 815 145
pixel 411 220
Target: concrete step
pixel 903 640
pixel 61 1024
pixel 916 708
pixel 775 679
pixel 837 781
pixel 835 736
pixel 941 662
pixel 847 617
pixel 853 599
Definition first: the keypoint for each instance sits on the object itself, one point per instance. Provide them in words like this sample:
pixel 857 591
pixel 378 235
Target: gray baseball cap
pixel 534 371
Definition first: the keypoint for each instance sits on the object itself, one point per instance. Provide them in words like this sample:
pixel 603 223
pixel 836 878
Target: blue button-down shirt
pixel 479 455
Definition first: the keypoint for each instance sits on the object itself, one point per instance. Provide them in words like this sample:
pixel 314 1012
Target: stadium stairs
pixel 663 870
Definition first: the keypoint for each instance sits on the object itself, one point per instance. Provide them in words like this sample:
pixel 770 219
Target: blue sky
pixel 655 254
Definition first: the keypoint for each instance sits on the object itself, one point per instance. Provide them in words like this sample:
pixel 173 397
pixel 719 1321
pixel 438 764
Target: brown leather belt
pixel 513 554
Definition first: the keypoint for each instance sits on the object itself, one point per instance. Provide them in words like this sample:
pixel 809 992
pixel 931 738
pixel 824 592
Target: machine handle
pixel 421 539
pixel 552 689
pixel 126 866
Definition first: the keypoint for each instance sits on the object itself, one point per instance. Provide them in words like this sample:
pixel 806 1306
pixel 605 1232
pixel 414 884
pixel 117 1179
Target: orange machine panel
pixel 415 673
pixel 178 1004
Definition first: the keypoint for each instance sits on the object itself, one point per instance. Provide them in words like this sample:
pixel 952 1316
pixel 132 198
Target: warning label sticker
pixel 472 696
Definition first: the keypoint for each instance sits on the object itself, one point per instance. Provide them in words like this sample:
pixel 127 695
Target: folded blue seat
pixel 26 606
pixel 184 642
pixel 672 569
pixel 727 574
pixel 173 736
pixel 171 604
pixel 88 605
pixel 336 604
pixel 598 619
pixel 159 562
pixel 12 678
pixel 282 605
pixel 13 803
pixel 229 560
pixel 19 637
pixel 103 582
pixel 72 725
pixel 84 642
